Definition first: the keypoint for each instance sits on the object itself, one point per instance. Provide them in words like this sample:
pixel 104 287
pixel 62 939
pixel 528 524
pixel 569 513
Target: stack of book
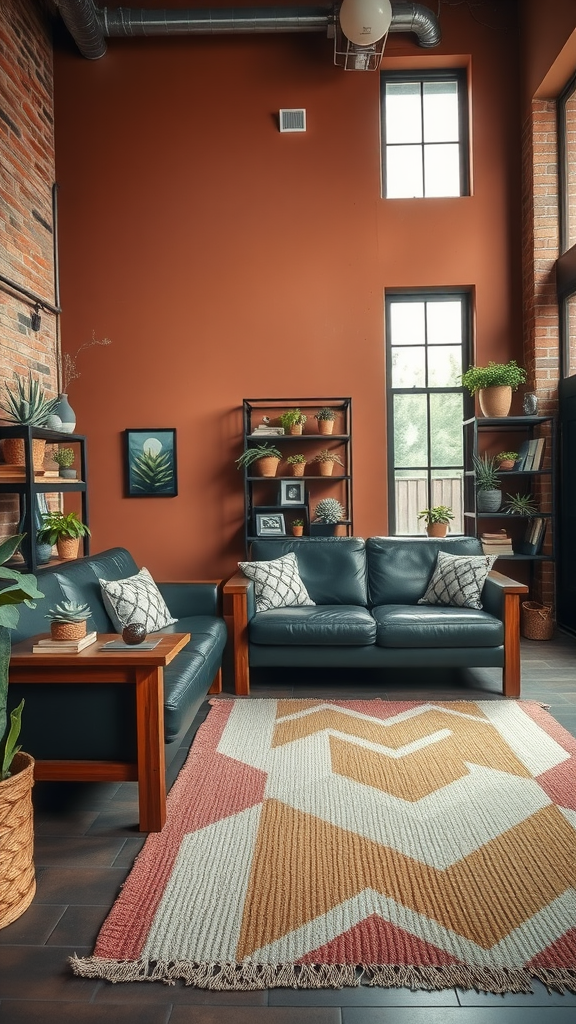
pixel 49 646
pixel 496 543
pixel 530 455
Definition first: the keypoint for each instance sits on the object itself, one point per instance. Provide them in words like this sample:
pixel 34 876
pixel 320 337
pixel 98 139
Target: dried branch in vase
pixel 69 369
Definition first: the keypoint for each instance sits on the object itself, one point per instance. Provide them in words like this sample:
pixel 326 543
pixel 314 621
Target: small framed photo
pixel 150 463
pixel 271 525
pixel 292 492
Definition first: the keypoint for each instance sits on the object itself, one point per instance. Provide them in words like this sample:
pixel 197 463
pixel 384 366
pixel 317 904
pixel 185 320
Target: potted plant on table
pixel 265 456
pixel 16 767
pixel 494 384
pixel 68 620
pixel 326 461
pixel 64 530
pixel 297 464
pixel 325 418
pixel 293 421
pixel 28 405
pixel 437 520
pixel 489 496
pixel 297 527
pixel 506 460
pixel 64 458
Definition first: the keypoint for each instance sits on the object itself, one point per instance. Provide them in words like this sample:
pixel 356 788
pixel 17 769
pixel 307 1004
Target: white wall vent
pixel 293 120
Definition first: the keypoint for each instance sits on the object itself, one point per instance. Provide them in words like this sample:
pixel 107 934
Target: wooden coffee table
pixel 145 671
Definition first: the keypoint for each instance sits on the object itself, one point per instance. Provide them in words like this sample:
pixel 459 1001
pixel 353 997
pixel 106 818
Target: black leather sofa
pixel 97 723
pixel 366 613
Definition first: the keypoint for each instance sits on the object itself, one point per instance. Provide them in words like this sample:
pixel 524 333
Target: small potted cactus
pixel 68 620
pixel 297 527
pixel 326 461
pixel 26 404
pixel 327 517
pixel 297 464
pixel 325 418
pixel 64 458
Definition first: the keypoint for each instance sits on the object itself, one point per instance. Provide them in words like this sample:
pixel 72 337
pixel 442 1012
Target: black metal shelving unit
pixel 261 494
pixel 32 484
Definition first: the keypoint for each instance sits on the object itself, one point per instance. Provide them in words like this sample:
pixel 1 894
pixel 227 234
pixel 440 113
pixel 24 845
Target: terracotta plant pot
pixel 298 468
pixel 268 465
pixel 68 630
pixel 506 464
pixel 325 426
pixel 17 880
pixel 297 531
pixel 437 529
pixel 325 468
pixel 13 448
pixel 68 547
pixel 495 402
pixel 296 428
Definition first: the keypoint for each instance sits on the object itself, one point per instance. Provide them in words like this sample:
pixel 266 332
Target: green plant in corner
pixel 438 514
pixel 520 505
pixel 329 510
pixel 476 378
pixel 487 478
pixel 27 403
pixel 21 589
pixel 261 451
pixel 292 418
pixel 59 524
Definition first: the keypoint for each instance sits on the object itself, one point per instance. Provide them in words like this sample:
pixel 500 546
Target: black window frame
pixel 458 75
pixel 566 262
pixel 422 295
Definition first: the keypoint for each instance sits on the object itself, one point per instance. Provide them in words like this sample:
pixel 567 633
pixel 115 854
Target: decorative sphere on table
pixel 134 633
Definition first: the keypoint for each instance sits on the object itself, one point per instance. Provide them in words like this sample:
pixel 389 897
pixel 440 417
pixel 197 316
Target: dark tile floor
pixel 86 840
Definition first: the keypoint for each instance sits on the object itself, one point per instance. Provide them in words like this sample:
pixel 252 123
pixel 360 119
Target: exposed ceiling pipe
pixel 90 25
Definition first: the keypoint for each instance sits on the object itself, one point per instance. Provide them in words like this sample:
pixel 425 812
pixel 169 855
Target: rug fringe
pixel 249 976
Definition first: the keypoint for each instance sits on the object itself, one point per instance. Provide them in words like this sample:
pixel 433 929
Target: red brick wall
pixel 26 177
pixel 541 334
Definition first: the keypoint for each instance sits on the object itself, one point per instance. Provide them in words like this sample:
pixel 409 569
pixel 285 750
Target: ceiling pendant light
pixel 365 21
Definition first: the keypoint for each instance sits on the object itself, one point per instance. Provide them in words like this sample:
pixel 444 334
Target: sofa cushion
pixel 326 625
pixel 457 580
pixel 136 599
pixel 277 582
pixel 333 568
pixel 399 569
pixel 436 626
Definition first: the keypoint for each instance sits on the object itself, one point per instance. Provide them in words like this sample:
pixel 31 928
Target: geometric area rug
pixel 320 843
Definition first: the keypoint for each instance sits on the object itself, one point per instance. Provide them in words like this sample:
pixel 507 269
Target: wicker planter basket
pixel 298 468
pixel 17 880
pixel 14 451
pixel 536 621
pixel 68 630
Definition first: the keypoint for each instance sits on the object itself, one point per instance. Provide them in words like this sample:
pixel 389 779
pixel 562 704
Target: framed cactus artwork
pixel 150 463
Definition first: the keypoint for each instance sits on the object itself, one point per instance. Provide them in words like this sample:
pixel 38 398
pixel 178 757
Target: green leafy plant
pixel 520 505
pixel 27 403
pixel 487 478
pixel 21 589
pixel 292 418
pixel 329 510
pixel 326 456
pixel 297 522
pixel 506 457
pixel 438 514
pixel 296 460
pixel 476 378
pixel 325 414
pixel 69 611
pixel 261 451
pixel 151 471
pixel 64 457
pixel 57 524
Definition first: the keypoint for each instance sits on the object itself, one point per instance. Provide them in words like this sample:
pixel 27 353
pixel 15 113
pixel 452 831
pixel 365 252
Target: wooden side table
pixel 145 671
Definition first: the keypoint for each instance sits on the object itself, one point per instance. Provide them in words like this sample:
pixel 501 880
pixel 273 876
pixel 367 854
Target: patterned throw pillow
pixel 458 580
pixel 277 583
pixel 136 599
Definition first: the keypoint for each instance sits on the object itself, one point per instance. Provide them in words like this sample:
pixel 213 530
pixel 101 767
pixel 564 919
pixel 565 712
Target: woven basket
pixel 68 630
pixel 17 880
pixel 14 451
pixel 536 621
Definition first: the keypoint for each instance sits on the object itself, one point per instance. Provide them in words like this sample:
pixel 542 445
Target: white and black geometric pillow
pixel 277 583
pixel 136 599
pixel 458 580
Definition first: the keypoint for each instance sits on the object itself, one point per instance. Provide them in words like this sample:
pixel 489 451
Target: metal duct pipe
pixel 89 25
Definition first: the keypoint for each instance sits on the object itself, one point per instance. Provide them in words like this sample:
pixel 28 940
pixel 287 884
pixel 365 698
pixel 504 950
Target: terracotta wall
pixel 226 260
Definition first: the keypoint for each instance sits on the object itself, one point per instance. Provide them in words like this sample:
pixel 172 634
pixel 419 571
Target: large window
pixel 566 266
pixel 424 134
pixel 427 347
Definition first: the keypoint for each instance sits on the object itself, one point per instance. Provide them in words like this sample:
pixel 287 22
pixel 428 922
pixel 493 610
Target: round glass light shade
pixel 365 21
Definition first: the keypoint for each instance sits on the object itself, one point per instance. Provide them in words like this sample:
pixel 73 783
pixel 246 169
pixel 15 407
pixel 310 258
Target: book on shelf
pixel 520 463
pixel 500 535
pixel 534 536
pixel 529 460
pixel 496 543
pixel 538 453
pixel 501 550
pixel 49 646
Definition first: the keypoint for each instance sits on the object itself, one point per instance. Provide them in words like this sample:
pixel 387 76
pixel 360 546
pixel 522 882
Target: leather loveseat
pixel 366 612
pixel 95 725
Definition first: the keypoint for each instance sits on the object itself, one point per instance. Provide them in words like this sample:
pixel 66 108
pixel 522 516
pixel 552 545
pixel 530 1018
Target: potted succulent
pixel 327 515
pixel 64 458
pixel 297 464
pixel 27 404
pixel 64 530
pixel 68 620
pixel 489 496
pixel 506 460
pixel 437 520
pixel 297 527
pixel 293 421
pixel 16 767
pixel 325 418
pixel 326 461
pixel 520 505
pixel 266 457
pixel 494 384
